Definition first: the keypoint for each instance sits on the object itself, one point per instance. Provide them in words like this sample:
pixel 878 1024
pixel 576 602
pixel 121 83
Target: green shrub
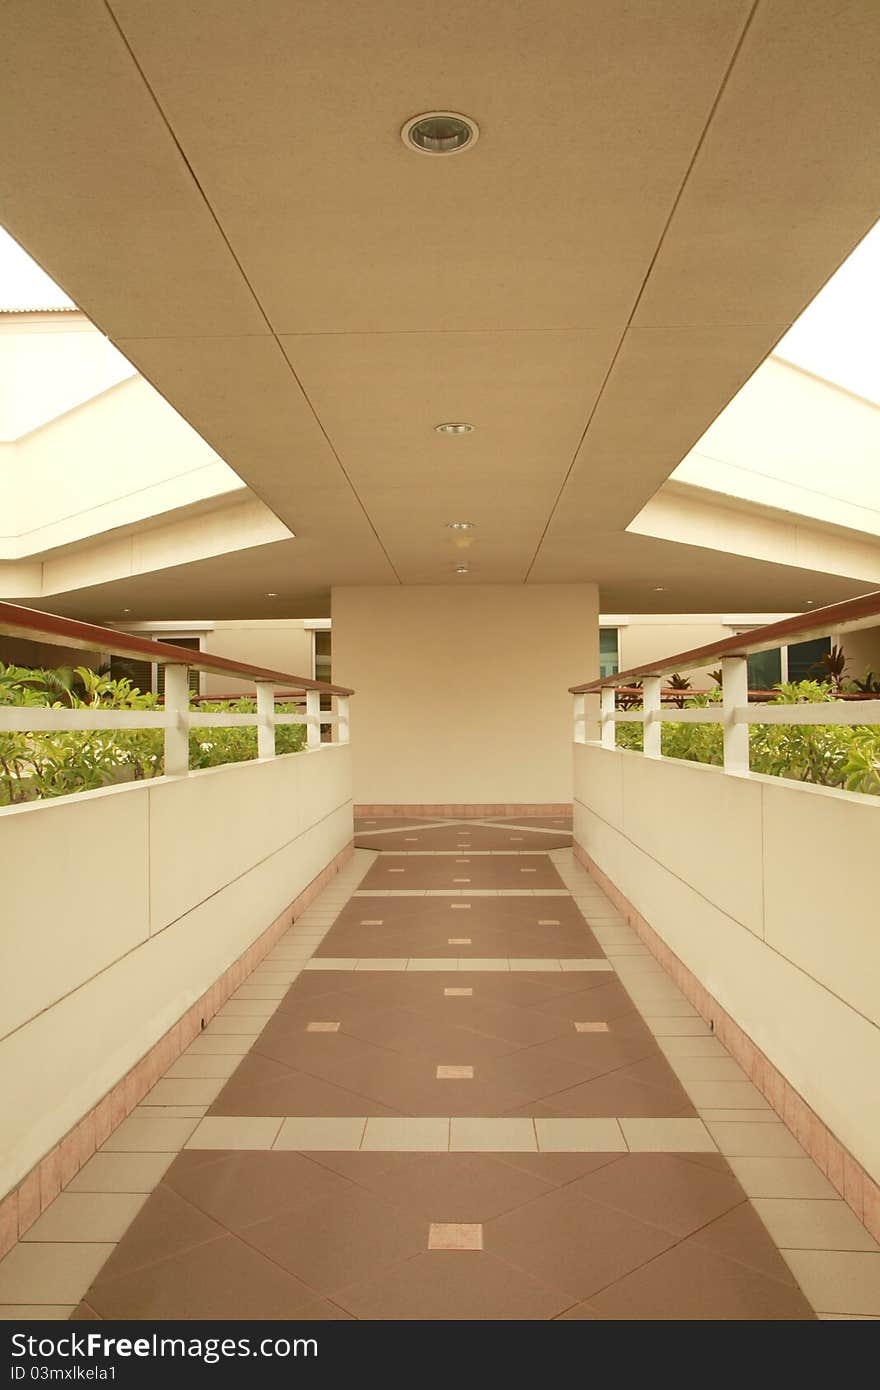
pixel 35 765
pixel 828 755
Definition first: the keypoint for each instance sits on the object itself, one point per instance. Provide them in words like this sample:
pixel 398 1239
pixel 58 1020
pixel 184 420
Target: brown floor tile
pixel 296 1093
pixel 457 1187
pixel 401 872
pixel 244 1187
pixel 692 1282
pixel 557 1170
pixel 614 1095
pixel 226 1280
pixel 662 1190
pixel 341 1240
pixel 573 1244
pixel 166 1227
pixel 741 1235
pixel 455 1286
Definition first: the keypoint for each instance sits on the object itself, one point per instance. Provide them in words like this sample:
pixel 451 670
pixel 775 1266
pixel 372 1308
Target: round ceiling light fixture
pixel 454 427
pixel 271 596
pixel 460 525
pixel 462 569
pixel 440 132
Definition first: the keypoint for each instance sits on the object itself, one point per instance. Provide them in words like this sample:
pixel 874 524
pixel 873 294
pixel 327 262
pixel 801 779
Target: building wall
pixel 767 891
pixel 462 693
pixel 154 890
pixel 862 652
pixel 650 638
pixel 281 645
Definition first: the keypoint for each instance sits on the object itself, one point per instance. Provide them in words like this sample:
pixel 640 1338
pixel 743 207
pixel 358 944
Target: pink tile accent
pixel 103 1121
pixel 50 1177
pixel 453 1235
pixel 8 1223
pixel 69 1149
pixel 85 1138
pixel 857 1187
pixel 29 1201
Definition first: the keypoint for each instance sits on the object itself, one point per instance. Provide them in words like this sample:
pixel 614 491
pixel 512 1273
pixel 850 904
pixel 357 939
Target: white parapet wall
pixel 769 892
pixel 121 907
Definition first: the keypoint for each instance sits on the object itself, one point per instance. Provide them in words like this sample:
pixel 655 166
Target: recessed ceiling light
pixel 460 525
pixel 659 589
pixel 126 610
pixel 462 569
pixel 454 427
pixel 271 596
pixel 440 132
pixel 810 602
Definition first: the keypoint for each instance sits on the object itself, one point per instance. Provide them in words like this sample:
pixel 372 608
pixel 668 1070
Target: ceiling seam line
pixel 215 219
pixel 722 86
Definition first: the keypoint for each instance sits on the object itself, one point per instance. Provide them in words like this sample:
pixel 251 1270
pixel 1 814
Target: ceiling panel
pixel 788 177
pixel 95 188
pixel 589 115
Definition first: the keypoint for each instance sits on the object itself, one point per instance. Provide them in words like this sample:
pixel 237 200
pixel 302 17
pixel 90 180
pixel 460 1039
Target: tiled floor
pixel 438 1099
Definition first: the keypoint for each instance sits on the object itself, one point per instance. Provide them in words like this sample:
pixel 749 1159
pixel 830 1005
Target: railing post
pixel 608 726
pixel 313 727
pixel 177 729
pixel 265 719
pixel 735 694
pixel 580 718
pixel 343 728
pixel 651 706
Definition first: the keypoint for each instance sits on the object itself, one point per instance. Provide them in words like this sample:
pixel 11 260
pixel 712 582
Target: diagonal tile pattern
pixel 384 1124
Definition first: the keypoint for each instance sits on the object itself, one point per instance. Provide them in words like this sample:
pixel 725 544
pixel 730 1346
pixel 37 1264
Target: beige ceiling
pixel 658 190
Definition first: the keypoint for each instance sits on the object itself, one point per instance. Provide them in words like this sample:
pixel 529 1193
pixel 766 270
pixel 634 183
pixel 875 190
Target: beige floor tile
pixel 838 1281
pixel 692 1047
pixel 387 963
pixel 455 1073
pixel 497 963
pixel 87 1216
pixel 332 963
pixel 260 992
pixel 799 1224
pixel 667 1136
pixel 235 1132
pixel 590 963
pixel 247 1008
pixel 667 1008
pixel 184 1091
pixel 591 1027
pixel 219 1045
pixel 534 964
pixel 409 1134
pixel 708 1069
pixel 230 1026
pixel 665 1027
pixel 491 1135
pixel 580 1136
pixel 781 1177
pixel 739 1117
pixel 446 1235
pixel 429 963
pixel 726 1095
pixel 36 1312
pixel 317 1026
pixel 149 1135
pixel 108 1172
pixel 458 992
pixel 755 1141
pixel 51 1272
pixel 147 1111
pixel 321 1133
pixel 194 1065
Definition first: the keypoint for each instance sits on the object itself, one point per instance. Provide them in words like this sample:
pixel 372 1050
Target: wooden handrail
pixel 36 626
pixel 840 617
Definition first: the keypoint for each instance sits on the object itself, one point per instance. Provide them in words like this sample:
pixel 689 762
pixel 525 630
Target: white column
pixel 313 727
pixel 609 704
pixel 651 705
pixel 735 695
pixel 177 731
pixel 343 728
pixel 580 718
pixel 265 720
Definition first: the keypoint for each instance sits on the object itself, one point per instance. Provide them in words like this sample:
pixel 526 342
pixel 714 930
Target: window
pixel 322 654
pixel 609 656
pixel 148 676
pixel 801 661
pixel 765 669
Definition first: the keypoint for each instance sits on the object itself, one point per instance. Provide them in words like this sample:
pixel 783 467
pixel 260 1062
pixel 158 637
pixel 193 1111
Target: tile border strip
pixel 462 811
pixel 856 1186
pixel 21 1207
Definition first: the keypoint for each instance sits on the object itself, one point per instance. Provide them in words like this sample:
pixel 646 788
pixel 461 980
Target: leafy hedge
pixel 829 755
pixel 34 765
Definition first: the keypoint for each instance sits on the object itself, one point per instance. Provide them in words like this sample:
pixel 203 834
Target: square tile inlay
pixel 371 922
pixel 455 1235
pixel 460 941
pixel 591 1027
pixel 322 1027
pixel 459 907
pixel 453 992
pixel 455 1073
pixel 548 921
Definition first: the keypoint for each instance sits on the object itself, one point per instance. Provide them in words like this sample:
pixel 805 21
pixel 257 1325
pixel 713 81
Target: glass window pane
pixel 609 662
pixel 805 659
pixel 765 669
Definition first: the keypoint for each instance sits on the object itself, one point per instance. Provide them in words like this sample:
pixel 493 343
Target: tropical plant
pixel 870 685
pixel 831 667
pixel 677 682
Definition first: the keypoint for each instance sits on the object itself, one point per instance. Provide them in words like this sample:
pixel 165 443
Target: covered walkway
pixel 459 1087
